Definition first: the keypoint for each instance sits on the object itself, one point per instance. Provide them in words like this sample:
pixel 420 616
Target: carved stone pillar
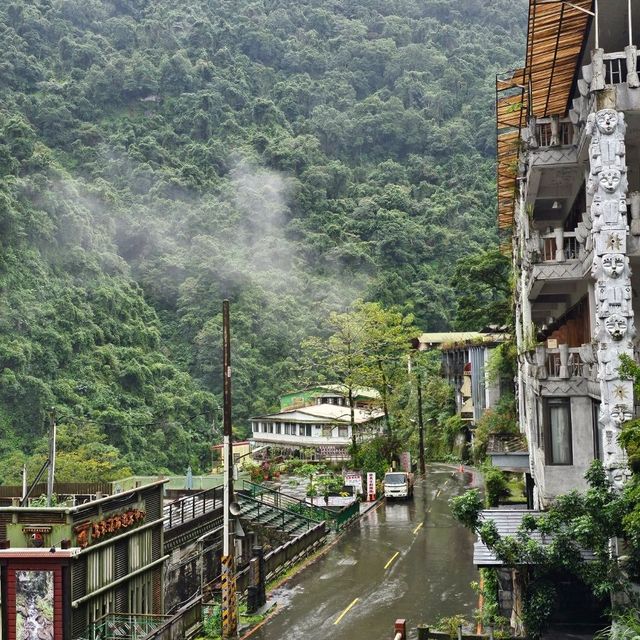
pixel 541 362
pixel 533 133
pixel 597 70
pixel 555 131
pixel 613 320
pixel 631 52
pixel 558 232
pixel 564 361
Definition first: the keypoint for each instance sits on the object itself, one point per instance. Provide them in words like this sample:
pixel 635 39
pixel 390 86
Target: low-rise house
pixel 320 419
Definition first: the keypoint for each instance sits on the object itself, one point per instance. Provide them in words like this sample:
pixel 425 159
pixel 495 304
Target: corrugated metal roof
pixel 323 413
pixel 358 392
pixel 508 522
pixel 450 336
pixel 555 39
pixel 500 443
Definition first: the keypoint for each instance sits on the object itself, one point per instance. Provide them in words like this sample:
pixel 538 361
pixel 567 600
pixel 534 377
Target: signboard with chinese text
pixel 353 479
pixel 371 486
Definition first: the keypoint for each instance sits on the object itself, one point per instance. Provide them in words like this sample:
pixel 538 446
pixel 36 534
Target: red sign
pixel 371 486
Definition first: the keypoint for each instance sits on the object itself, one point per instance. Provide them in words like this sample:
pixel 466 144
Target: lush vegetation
pixel 573 523
pixel 156 157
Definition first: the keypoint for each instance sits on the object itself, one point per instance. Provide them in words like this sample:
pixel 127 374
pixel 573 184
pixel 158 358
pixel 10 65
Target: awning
pixel 557 31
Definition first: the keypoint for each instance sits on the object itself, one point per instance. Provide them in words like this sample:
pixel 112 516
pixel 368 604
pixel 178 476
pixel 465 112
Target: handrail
pixel 283 512
pixel 318 512
pixel 285 498
pixel 192 506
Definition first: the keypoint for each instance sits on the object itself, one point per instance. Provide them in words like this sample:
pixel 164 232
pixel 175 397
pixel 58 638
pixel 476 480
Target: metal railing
pixel 291 503
pixel 570 247
pixel 287 554
pixel 193 506
pixel 124 626
pixel 275 515
pixel 184 624
pixel 337 518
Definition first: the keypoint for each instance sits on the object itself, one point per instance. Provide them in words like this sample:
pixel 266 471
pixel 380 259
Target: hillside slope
pixel 157 156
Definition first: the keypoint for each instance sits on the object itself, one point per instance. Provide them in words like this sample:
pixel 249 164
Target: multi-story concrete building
pixel 320 419
pixel 569 192
pixel 465 365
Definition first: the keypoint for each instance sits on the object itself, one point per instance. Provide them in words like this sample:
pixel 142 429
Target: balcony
pixel 556 256
pixel 563 370
pixel 552 143
pixel 617 70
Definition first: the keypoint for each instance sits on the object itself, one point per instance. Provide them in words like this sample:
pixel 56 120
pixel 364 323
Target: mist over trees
pixel 156 157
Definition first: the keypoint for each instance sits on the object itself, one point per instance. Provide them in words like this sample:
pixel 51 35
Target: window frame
pixel 548 449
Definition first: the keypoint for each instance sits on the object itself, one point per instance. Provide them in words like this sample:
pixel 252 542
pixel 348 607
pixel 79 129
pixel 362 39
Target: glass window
pixel 343 432
pixel 558 446
pixel 595 415
pixel 326 431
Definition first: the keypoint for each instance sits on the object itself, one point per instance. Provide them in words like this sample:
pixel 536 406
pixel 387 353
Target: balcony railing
pixel 563 362
pixel 553 132
pixel 571 368
pixel 560 246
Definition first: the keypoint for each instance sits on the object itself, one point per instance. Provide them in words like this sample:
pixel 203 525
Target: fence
pixel 424 633
pixel 186 623
pixel 286 555
pixel 192 506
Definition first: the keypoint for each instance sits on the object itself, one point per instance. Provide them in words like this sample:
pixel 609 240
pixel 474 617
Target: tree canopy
pixel 156 157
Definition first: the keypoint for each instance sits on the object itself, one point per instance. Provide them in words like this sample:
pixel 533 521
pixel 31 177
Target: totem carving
pixel 614 320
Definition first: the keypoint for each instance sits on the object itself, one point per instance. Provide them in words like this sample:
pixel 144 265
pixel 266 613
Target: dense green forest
pixel 159 156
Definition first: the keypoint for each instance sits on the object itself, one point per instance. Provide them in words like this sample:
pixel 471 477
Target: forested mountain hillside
pixel 158 156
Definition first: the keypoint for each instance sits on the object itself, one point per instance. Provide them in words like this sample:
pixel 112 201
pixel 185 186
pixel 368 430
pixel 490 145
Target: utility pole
pixel 52 456
pixel 420 426
pixel 229 603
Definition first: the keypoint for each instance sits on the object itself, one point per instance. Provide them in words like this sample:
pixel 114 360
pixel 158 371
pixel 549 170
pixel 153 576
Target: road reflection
pixel 348 593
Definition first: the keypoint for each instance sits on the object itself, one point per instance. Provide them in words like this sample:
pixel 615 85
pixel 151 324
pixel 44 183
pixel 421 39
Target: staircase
pixel 271 516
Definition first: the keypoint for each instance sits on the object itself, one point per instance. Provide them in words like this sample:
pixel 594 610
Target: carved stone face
pixel 620 413
pixel 607 121
pixel 609 180
pixel 613 264
pixel 619 477
pixel 616 326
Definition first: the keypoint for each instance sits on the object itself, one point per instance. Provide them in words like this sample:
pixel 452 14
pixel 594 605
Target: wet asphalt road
pixel 427 579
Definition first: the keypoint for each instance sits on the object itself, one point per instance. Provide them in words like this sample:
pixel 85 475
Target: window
pixel 305 430
pixel 595 415
pixel 343 432
pixel 326 430
pixel 538 413
pixel 558 431
pixel 140 550
pixel 278 428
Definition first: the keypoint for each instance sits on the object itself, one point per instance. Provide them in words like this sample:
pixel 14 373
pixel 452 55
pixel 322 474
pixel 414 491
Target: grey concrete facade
pixel 576 240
